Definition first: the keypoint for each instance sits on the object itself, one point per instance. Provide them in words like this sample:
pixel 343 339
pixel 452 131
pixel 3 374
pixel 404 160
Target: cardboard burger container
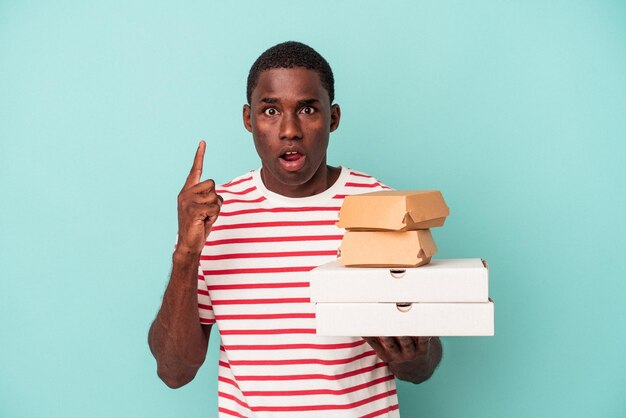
pixel 405 319
pixel 387 248
pixel 395 210
pixel 463 280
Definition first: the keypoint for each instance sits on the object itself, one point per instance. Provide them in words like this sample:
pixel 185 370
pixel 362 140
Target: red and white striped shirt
pixel 253 283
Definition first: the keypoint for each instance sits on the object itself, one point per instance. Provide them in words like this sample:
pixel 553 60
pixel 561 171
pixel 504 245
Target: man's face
pixel 291 118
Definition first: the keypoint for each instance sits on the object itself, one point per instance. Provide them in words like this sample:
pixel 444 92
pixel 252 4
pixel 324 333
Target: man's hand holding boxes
pixel 384 282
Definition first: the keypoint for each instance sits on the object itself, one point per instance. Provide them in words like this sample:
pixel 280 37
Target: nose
pixel 290 128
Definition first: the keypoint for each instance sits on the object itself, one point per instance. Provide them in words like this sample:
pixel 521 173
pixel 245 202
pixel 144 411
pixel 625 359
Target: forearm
pixel 420 369
pixel 176 337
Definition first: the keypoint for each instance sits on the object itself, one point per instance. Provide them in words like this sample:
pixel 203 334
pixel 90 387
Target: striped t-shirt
pixel 253 283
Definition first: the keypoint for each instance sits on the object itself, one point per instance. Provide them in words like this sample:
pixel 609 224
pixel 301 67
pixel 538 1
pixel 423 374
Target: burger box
pixel 387 248
pixel 404 319
pixel 443 280
pixel 394 210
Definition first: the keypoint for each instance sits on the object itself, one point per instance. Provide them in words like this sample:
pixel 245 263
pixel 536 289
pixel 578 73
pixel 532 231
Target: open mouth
pixel 291 156
pixel 292 160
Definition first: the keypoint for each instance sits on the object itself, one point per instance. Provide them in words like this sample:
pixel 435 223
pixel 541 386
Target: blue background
pixel 515 110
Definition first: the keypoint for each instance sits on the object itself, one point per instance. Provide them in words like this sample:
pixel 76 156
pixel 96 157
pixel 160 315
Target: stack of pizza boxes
pixel 384 282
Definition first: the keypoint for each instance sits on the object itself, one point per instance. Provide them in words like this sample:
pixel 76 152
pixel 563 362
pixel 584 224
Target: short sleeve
pixel 205 308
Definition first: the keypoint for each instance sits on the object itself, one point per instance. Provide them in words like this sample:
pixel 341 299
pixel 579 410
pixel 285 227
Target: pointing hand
pixel 198 207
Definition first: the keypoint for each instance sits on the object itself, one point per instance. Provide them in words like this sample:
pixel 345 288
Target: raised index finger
pixel 196 169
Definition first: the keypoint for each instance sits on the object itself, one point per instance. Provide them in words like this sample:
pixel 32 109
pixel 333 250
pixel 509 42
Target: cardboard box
pixel 443 280
pixel 387 248
pixel 417 319
pixel 394 210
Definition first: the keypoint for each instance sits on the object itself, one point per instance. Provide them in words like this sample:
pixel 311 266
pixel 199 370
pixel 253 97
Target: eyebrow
pixel 307 102
pixel 304 102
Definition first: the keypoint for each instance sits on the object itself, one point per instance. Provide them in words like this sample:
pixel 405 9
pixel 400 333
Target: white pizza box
pixel 415 319
pixel 445 280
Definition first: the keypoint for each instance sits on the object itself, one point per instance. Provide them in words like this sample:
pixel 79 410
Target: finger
pixel 407 346
pixel 207 199
pixel 208 222
pixel 373 341
pixel 204 210
pixel 391 345
pixel 423 344
pixel 212 215
pixel 205 214
pixel 377 346
pixel 202 187
pixel 196 169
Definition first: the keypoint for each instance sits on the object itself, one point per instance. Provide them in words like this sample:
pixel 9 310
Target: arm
pixel 177 339
pixel 413 359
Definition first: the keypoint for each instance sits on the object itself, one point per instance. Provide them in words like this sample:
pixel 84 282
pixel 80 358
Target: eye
pixel 308 110
pixel 271 111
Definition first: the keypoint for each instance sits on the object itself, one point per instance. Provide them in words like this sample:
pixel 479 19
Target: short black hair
pixel 292 54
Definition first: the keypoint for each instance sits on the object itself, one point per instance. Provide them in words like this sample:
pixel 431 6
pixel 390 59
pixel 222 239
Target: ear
pixel 335 115
pixel 247 117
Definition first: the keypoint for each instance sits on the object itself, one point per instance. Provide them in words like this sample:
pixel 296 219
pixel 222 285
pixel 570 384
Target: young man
pixel 241 260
